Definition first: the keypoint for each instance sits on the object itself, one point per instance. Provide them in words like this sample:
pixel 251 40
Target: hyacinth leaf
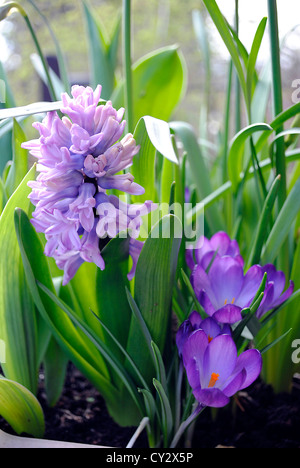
pixel 55 363
pixel 101 57
pixel 152 135
pixel 154 281
pixel 73 341
pixel 21 409
pixel 98 343
pixel 19 323
pixel 157 78
pixel 282 224
pixel 236 151
pixel 19 167
pixel 184 132
pixel 30 109
pixel 112 305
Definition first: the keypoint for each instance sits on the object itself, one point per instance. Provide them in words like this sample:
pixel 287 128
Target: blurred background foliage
pixel 155 24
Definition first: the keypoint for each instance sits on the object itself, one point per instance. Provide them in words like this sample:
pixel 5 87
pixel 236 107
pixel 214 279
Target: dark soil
pixel 256 418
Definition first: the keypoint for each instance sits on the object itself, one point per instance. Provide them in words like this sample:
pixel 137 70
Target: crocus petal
pixel 251 361
pixel 235 383
pixel 192 355
pixel 250 286
pixel 213 397
pixel 219 358
pixel 230 313
pixel 226 275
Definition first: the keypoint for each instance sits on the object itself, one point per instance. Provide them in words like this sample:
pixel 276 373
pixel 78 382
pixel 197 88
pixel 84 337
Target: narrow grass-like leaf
pixel 253 57
pixel 225 33
pixel 99 344
pixel 282 225
pixel 262 228
pixel 167 417
pixel 199 170
pixel 235 156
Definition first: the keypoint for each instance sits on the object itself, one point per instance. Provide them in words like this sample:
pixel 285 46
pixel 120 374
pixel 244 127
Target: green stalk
pixel 277 96
pixel 127 64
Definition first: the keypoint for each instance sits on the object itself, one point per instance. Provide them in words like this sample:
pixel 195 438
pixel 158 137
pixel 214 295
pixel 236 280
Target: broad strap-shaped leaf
pixel 21 409
pixel 154 281
pixel 152 135
pixel 158 83
pixel 19 324
pixel 73 341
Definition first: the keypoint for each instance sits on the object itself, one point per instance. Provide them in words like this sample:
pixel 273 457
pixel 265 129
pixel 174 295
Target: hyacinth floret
pixel 79 158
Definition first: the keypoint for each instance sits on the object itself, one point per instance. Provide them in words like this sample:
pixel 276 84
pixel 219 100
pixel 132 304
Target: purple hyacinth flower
pixel 224 291
pixel 274 294
pixel 215 371
pixel 206 250
pixel 79 157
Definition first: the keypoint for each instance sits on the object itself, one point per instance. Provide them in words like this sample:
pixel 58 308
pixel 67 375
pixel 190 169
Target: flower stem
pixel 185 424
pixel 127 63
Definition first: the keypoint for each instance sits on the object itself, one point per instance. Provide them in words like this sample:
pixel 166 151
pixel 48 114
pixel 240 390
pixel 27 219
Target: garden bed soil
pixel 256 418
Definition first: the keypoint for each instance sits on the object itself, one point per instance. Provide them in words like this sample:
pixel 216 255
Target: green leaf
pixel 200 172
pixel 262 228
pixel 19 166
pixel 158 77
pixel 225 33
pixel 154 281
pixel 30 109
pixel 79 349
pixel 20 408
pixel 94 339
pixel 167 417
pixel 253 57
pixel 101 67
pixel 18 320
pixel 282 225
pixel 55 365
pixel 236 151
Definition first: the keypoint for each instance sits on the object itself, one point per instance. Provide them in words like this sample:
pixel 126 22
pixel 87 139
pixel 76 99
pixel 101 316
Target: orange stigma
pixel 209 338
pixel 213 379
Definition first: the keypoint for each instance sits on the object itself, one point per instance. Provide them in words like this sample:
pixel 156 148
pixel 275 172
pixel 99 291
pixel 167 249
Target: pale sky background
pixel 251 12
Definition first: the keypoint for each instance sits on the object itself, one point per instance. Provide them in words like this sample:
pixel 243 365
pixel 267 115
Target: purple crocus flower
pixel 215 371
pixel 206 250
pixel 224 291
pixel 274 294
pixel 79 157
pixel 195 322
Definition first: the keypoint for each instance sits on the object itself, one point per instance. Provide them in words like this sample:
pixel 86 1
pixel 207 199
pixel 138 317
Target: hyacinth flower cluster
pixel 206 346
pixel 80 158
